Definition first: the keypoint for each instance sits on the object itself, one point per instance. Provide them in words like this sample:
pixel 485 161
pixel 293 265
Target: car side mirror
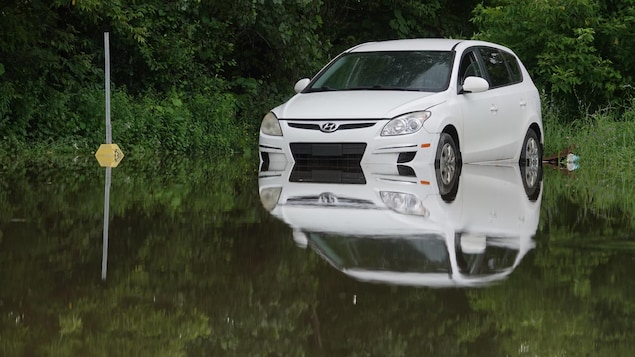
pixel 475 85
pixel 301 84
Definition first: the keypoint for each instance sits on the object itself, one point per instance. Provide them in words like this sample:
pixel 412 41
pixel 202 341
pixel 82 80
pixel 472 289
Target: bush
pixel 175 123
pixel 573 49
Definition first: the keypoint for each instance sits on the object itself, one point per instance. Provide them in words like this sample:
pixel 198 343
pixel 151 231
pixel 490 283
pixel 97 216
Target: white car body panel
pixel 490 126
pixel 354 105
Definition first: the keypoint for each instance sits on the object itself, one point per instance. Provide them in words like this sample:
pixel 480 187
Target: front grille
pixel 327 151
pixel 355 126
pixel 313 126
pixel 330 200
pixel 307 126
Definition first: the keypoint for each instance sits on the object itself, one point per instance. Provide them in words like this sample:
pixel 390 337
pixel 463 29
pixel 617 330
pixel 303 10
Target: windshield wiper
pixel 321 89
pixel 375 87
pixel 380 87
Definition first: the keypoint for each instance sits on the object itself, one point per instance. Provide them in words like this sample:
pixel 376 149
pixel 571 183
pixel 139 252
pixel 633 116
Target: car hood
pixel 363 104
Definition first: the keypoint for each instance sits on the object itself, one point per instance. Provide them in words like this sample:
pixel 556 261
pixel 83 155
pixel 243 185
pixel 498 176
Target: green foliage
pixel 348 23
pixel 149 122
pixel 279 40
pixel 176 123
pixel 6 94
pixel 199 53
pixel 573 49
pixel 603 186
pixel 227 63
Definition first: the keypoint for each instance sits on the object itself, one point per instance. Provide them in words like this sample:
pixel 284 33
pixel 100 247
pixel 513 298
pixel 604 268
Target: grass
pixel 605 143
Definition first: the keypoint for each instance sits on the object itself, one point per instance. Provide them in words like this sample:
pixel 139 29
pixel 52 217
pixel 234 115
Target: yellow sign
pixel 109 155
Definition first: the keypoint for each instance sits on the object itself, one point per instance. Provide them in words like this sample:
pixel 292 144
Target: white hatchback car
pixel 413 101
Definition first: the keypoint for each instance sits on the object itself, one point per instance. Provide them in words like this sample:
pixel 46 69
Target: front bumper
pixel 364 145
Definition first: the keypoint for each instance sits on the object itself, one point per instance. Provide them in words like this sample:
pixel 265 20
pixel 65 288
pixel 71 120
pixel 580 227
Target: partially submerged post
pixel 104 255
pixel 108 155
pixel 107 85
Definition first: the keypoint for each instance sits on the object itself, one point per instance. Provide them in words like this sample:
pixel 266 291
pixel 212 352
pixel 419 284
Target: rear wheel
pixel 531 178
pixel 447 165
pixel 531 152
pixel 531 164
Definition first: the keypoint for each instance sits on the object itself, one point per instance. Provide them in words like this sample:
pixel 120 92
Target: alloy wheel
pixel 532 161
pixel 447 163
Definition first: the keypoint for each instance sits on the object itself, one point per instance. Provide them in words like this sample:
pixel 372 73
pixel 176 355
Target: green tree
pixel 348 23
pixel 574 49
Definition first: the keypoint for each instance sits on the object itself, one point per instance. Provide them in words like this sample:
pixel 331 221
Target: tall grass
pixel 174 122
pixel 605 144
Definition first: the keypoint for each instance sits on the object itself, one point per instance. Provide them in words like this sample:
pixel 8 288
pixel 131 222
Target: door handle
pixel 493 108
pixel 523 104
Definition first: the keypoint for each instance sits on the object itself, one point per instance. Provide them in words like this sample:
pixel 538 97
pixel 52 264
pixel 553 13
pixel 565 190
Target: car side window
pixel 514 69
pixel 496 68
pixel 469 67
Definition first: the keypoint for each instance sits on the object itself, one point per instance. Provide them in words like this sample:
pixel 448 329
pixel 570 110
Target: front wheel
pixel 447 165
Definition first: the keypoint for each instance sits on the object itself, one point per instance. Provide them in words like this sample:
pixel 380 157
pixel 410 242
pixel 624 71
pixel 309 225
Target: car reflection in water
pixel 390 224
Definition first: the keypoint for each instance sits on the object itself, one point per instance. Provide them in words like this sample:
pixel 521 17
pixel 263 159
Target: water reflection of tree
pixel 150 305
pixel 581 292
pixel 183 281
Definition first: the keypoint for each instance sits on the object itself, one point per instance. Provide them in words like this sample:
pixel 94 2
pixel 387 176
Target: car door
pixel 519 104
pixel 480 113
pixel 504 74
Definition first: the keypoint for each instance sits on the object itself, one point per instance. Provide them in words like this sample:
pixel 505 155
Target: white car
pixel 391 224
pixel 416 101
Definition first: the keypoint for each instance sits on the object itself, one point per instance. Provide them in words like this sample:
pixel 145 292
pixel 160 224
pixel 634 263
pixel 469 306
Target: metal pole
pixel 104 255
pixel 107 84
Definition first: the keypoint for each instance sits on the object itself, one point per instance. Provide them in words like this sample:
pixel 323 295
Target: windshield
pixel 400 70
pixel 426 253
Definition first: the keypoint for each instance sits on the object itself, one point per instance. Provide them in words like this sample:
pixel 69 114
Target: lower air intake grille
pixel 326 151
pixel 406 157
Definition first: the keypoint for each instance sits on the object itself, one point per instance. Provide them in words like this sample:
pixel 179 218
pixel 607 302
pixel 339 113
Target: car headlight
pixel 406 124
pixel 270 125
pixel 269 197
pixel 404 203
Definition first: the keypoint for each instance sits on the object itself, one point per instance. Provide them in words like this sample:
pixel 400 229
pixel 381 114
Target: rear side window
pixel 502 67
pixel 496 68
pixel 514 69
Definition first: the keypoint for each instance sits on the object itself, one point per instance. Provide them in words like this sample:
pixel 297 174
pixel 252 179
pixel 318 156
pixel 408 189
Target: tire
pixel 531 177
pixel 531 164
pixel 531 151
pixel 447 166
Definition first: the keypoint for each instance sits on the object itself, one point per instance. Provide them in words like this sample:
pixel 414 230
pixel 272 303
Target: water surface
pixel 208 257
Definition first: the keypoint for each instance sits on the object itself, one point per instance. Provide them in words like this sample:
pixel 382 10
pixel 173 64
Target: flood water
pixel 215 257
